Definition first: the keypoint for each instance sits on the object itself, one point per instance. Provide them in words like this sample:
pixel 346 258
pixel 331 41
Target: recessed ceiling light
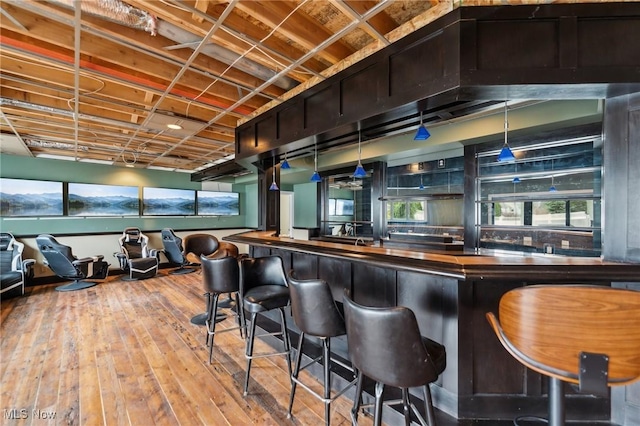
pixel 174 126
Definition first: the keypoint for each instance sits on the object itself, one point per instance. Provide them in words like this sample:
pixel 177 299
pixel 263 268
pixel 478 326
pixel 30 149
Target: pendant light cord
pixel 506 123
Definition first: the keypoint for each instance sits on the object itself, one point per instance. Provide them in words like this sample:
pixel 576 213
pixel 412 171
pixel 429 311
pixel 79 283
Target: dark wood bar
pixel 450 295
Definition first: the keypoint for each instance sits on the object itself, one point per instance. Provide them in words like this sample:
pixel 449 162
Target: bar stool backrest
pixel 548 327
pixel 313 308
pixel 385 345
pixel 259 271
pixel 220 275
pixel 199 244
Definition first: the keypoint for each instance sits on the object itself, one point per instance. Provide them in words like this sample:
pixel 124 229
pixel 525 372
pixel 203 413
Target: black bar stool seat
pixel 265 298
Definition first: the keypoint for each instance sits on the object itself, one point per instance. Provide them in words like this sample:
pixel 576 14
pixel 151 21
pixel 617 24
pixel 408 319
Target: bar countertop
pixel 486 264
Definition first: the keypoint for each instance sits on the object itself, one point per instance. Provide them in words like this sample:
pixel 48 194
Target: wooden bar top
pixel 482 265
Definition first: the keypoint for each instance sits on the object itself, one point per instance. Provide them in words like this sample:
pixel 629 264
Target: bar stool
pixel 263 287
pixel 585 335
pixel 385 345
pixel 220 275
pixel 315 313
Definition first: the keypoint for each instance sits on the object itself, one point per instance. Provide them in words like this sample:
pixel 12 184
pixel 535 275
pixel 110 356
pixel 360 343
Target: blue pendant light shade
pixel 516 180
pixel 422 133
pixel 285 164
pixel 505 153
pixel 274 185
pixel 315 177
pixel 552 188
pixel 359 172
pixel 421 187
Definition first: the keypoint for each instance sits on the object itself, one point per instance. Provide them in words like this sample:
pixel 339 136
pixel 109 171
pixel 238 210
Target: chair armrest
pixel 89 259
pixel 28 264
pixel 122 259
pixel 28 268
pixel 155 253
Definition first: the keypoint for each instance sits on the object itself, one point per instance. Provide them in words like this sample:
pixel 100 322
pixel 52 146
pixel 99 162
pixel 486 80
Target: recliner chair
pixel 60 259
pixel 135 256
pixel 13 270
pixel 174 252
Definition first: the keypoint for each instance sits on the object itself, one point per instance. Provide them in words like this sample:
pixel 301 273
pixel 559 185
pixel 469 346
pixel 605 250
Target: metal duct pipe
pixel 117 11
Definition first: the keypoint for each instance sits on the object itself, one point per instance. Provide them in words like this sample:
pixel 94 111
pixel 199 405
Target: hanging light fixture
pixel 315 177
pixel 359 172
pixel 274 185
pixel 285 164
pixel 505 153
pixel 422 133
pixel 552 188
pixel 421 187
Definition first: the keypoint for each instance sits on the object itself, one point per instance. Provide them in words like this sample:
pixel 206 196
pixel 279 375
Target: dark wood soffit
pixel 468 58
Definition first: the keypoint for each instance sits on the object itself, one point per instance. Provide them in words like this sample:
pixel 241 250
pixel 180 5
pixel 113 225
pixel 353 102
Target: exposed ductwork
pixel 116 11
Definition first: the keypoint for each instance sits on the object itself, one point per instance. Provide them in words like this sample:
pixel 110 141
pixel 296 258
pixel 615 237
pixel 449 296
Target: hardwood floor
pixel 126 353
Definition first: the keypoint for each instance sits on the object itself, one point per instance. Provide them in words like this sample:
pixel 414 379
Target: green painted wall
pixel 250 192
pixel 305 205
pixel 19 167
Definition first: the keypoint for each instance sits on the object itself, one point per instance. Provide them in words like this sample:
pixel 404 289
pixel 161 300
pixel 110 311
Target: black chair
pixel 14 271
pixel 385 345
pixel 263 287
pixel 136 257
pixel 174 252
pixel 220 274
pixel 316 314
pixel 60 259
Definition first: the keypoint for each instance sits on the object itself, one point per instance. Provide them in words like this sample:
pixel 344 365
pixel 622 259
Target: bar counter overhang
pixel 450 295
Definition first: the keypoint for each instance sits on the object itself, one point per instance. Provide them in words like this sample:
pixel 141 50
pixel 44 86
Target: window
pixel 407 210
pixel 548 200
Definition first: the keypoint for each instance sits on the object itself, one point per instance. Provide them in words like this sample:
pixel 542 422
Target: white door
pixel 286 214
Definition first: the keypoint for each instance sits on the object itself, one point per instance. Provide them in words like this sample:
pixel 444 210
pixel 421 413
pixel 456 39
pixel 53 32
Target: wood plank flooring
pixel 126 353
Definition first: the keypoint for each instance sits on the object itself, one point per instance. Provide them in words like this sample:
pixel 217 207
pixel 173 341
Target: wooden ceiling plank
pixel 382 22
pixel 202 6
pixel 298 27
